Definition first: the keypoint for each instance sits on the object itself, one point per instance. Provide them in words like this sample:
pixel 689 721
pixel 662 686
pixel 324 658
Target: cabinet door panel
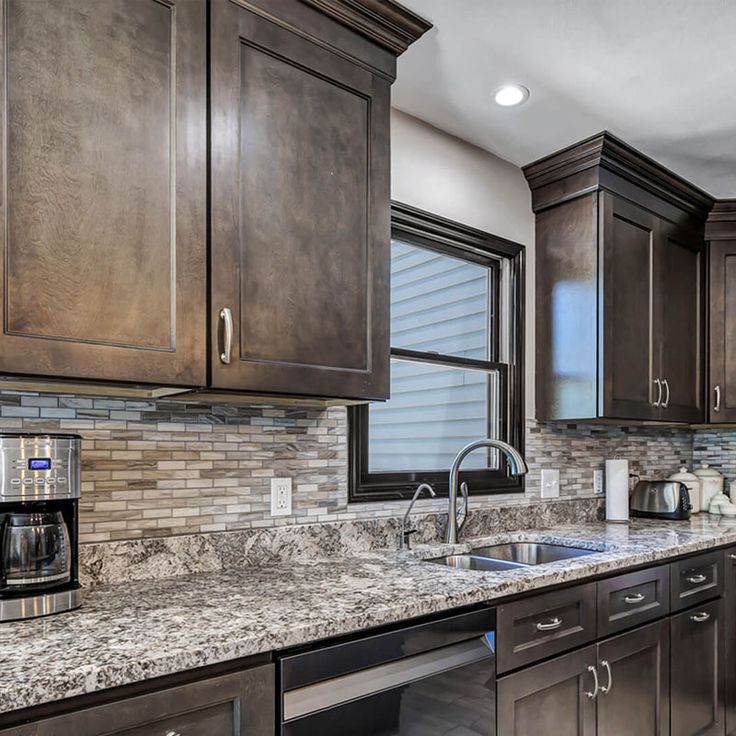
pixel 628 241
pixel 697 671
pixel 681 306
pixel 549 698
pixel 722 326
pixel 103 267
pixel 241 704
pixel 637 702
pixel 730 640
pixel 300 201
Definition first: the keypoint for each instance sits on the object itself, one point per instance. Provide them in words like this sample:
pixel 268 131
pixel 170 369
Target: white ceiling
pixel 661 74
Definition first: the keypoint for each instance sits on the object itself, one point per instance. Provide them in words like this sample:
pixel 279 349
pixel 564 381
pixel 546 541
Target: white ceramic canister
pixel 711 484
pixel 693 486
pixel 718 502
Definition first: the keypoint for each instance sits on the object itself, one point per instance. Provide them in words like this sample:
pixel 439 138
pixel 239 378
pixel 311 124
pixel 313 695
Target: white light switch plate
pixel 550 483
pixel 280 496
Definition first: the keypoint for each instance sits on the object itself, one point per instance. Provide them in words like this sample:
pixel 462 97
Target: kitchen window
pixel 457 341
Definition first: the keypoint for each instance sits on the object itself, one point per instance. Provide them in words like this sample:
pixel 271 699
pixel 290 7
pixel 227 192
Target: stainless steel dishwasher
pixel 433 678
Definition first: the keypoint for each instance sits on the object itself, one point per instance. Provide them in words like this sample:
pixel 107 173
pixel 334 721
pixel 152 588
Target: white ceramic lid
pixel 683 475
pixel 705 471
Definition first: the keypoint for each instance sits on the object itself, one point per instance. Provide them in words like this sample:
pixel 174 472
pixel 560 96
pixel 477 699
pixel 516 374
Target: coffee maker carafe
pixel 39 500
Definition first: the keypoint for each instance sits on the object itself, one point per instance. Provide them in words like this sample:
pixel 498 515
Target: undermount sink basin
pixel 530 553
pixel 510 556
pixel 473 562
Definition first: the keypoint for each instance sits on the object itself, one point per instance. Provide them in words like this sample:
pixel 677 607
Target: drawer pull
pixel 553 624
pixel 173 733
pixel 596 686
pixel 696 579
pixel 732 557
pixel 699 618
pixel 634 598
pixel 605 689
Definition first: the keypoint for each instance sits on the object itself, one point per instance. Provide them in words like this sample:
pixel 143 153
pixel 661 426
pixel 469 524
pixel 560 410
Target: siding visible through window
pixel 456 370
pixel 439 304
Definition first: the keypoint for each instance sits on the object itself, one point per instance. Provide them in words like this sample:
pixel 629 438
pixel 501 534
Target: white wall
pixel 437 172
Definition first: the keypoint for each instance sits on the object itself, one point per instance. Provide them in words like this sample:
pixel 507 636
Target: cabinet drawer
pixel 695 580
pixel 633 599
pixel 241 704
pixel 544 625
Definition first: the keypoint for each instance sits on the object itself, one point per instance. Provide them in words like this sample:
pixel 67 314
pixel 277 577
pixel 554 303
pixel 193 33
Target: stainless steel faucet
pixel 404 538
pixel 517 466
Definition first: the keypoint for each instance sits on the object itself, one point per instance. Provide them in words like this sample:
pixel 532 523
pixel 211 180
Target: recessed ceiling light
pixel 511 94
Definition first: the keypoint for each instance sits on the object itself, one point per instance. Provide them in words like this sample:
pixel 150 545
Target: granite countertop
pixel 138 630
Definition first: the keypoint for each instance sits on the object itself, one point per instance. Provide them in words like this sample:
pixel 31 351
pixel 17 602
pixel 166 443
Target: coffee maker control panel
pixel 39 467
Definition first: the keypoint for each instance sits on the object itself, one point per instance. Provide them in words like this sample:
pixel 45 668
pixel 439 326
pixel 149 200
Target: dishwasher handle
pixel 312 698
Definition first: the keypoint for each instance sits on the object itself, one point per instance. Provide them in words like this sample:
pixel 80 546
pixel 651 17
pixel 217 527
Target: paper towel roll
pixel 617 490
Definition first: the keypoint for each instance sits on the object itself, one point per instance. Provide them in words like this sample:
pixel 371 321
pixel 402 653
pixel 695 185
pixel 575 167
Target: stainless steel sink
pixel 530 553
pixel 473 562
pixel 510 556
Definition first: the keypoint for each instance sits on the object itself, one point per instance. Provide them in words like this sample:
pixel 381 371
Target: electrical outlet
pixel 598 482
pixel 280 496
pixel 550 483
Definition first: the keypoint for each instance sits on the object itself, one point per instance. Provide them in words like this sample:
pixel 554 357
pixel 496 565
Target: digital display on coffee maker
pixel 39 463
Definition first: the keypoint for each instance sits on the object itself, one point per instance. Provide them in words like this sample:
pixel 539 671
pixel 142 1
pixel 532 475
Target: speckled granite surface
pixel 142 559
pixel 137 630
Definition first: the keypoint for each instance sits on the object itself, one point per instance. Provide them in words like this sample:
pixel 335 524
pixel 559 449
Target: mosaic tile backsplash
pixel 717 447
pixel 166 467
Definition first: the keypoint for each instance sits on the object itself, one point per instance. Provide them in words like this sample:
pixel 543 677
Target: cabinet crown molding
pixel 590 164
pixel 385 22
pixel 721 223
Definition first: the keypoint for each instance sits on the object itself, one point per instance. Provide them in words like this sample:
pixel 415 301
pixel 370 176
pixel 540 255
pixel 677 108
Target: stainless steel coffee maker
pixel 39 506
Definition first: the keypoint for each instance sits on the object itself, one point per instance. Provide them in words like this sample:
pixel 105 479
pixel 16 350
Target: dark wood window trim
pixel 414 226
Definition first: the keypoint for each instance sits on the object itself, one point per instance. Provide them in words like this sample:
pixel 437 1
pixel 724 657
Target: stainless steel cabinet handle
pixel 658 384
pixel 634 598
pixel 173 733
pixel 732 557
pixel 717 406
pixel 226 317
pixel 596 686
pixel 554 623
pixel 666 385
pixel 696 579
pixel 607 688
pixel 700 617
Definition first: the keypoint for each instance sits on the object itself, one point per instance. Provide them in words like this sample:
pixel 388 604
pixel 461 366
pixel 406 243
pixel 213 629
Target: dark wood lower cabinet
pixel 549 698
pixel 729 636
pixel 634 668
pixel 555 698
pixel 240 704
pixel 696 682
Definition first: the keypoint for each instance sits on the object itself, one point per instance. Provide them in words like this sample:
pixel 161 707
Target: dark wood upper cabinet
pixel 682 271
pixel 721 234
pixel 103 264
pixel 629 316
pixel 300 203
pixel 620 292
